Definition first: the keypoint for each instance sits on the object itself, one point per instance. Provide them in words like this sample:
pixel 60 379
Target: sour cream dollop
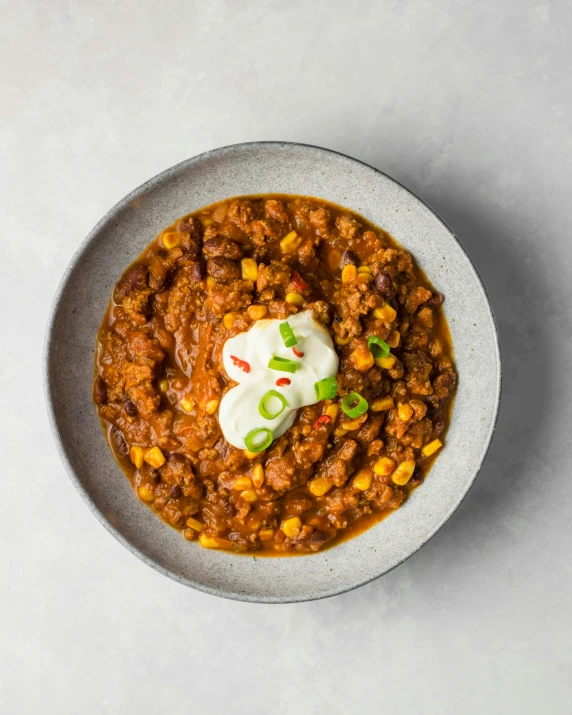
pixel 239 408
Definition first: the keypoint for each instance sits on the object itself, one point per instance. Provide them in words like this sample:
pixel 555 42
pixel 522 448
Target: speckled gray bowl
pixel 82 298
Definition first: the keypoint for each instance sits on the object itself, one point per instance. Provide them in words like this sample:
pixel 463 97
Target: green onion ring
pixel 326 389
pixel 378 347
pixel 253 442
pixel 354 405
pixel 287 335
pixel 282 364
pixel 265 412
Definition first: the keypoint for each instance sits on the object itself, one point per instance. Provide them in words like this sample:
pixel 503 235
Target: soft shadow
pixel 496 242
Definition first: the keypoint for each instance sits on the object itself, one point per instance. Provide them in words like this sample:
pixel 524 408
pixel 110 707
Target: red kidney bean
pixel 198 271
pixel 118 442
pixel 135 278
pixel 347 258
pixel 383 283
pixel 223 270
pixel 99 391
pixel 130 408
pixel 223 247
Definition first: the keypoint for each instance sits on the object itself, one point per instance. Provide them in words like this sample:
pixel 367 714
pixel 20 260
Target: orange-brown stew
pixel 160 377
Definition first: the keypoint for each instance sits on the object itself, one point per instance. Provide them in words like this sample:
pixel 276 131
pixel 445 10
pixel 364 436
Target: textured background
pixel 467 103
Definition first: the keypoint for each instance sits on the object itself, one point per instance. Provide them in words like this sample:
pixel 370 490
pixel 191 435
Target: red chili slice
pixel 297 353
pixel 322 420
pixel 299 281
pixel 242 364
pixel 281 381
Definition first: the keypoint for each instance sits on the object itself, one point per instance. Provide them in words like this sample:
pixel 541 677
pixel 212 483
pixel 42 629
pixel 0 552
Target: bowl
pixel 121 235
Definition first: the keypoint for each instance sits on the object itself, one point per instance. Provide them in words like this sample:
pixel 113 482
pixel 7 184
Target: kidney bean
pixel 198 271
pixel 99 391
pixel 223 247
pixel 130 408
pixel 223 270
pixel 436 300
pixel 135 278
pixel 347 258
pixel 192 236
pixel 175 491
pixel 383 283
pixel 118 442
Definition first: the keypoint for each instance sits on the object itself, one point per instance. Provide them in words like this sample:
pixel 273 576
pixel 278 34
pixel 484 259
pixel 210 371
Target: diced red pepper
pixel 281 381
pixel 297 353
pixel 242 364
pixel 322 420
pixel 299 281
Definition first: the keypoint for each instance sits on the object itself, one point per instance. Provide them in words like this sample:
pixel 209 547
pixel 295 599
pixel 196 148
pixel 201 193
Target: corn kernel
pixel 432 447
pixel 319 486
pixel 228 320
pixel 249 495
pixel 144 493
pixel 256 312
pixel 251 455
pixel 170 239
pixel 362 359
pixel 404 472
pixel 266 534
pixel 349 273
pixel 294 299
pixel 364 277
pixel 387 313
pixel 354 424
pixel 207 222
pixel 405 412
pixel 384 466
pixel 386 362
pixel 195 524
pixel 208 542
pixel 211 407
pixel 241 483
pixel 332 412
pixel 364 269
pixel 363 480
pixel 290 242
pixel 163 385
pixel 258 476
pixel 211 283
pixel 249 269
pixel 394 339
pixel 187 403
pixel 291 527
pixel 340 432
pixel 136 455
pixel 342 341
pixel 385 403
pixel 154 457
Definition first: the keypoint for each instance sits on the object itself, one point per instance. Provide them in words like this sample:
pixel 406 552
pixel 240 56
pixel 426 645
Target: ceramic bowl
pixel 83 295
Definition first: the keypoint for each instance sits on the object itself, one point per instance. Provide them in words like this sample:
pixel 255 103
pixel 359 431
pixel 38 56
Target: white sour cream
pixel 239 413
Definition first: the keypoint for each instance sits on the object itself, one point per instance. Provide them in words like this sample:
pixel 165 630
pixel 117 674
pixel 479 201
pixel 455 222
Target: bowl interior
pixel 119 238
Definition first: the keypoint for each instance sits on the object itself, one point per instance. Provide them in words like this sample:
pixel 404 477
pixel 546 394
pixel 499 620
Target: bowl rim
pixel 47 359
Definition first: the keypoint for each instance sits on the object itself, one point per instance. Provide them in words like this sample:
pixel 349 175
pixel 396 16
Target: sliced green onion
pixel 258 439
pixel 282 364
pixel 378 347
pixel 287 335
pixel 354 405
pixel 326 388
pixel 265 406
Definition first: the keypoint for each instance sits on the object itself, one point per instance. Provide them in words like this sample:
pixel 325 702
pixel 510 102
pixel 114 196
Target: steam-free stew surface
pixel 160 376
